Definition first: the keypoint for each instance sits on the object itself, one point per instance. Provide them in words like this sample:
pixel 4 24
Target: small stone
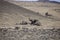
pixel 17 28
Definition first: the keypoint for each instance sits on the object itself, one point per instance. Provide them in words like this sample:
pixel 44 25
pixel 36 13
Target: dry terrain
pixel 28 21
pixel 15 12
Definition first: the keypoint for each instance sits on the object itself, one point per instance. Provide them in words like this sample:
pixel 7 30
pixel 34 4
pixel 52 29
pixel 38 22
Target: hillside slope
pixel 12 14
pixel 11 28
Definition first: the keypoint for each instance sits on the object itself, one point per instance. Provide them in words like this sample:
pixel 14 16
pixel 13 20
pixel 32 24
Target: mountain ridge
pixel 49 1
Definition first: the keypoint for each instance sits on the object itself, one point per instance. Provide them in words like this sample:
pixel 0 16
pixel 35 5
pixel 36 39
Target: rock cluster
pixel 32 22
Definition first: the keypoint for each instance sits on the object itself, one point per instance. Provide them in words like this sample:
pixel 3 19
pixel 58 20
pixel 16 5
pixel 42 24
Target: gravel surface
pixel 29 34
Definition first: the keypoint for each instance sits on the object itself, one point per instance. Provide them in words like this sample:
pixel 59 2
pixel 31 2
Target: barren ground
pixel 13 13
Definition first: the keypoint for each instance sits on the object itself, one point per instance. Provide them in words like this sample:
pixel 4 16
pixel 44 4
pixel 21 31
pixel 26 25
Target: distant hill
pixel 49 1
pixel 54 2
pixel 43 0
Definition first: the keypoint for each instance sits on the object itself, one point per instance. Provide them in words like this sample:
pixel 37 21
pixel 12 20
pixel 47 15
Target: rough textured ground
pixel 13 13
pixel 29 34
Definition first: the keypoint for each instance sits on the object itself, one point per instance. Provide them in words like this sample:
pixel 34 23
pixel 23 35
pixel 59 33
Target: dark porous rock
pixel 17 28
pixel 35 22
